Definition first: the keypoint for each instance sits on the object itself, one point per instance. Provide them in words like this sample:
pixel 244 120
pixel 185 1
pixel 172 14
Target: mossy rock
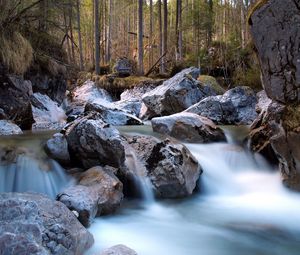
pixel 256 6
pixel 212 82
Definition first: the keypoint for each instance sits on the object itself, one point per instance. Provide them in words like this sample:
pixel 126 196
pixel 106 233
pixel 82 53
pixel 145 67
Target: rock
pixel 275 32
pixel 92 142
pixel 15 99
pixel 34 224
pixel 112 114
pixel 263 102
pixel 188 127
pixel 124 67
pixel 138 91
pixel 210 82
pixel 176 94
pixel 52 85
pixel 236 106
pixel 46 113
pixel 99 193
pixel 118 250
pixel 132 106
pixel 57 148
pixel 172 169
pixel 9 128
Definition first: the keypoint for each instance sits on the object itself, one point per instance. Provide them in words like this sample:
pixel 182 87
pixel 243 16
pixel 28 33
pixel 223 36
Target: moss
pixel 211 81
pixel 256 6
pixel 291 118
pixel 15 52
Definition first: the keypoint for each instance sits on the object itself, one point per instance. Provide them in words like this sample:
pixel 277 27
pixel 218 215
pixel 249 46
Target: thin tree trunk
pixel 151 35
pixel 165 32
pixel 97 37
pixel 178 29
pixel 108 44
pixel 140 38
pixel 160 36
pixel 79 36
pixel 71 30
pixel 67 35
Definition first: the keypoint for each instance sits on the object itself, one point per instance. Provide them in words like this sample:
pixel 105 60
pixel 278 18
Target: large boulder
pixel 177 93
pixel 34 224
pixel 171 168
pixel 93 142
pixel 15 99
pixel 9 128
pixel 47 113
pixel 119 249
pixel 236 106
pixel 188 127
pixel 99 192
pixel 124 67
pixel 112 114
pixel 275 32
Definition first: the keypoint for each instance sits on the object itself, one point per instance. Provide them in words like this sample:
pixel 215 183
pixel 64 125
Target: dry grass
pixel 16 52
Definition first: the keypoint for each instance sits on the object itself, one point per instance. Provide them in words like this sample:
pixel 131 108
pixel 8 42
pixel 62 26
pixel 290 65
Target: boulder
pixel 15 99
pixel 210 82
pixel 99 192
pixel 57 148
pixel 171 168
pixel 138 91
pixel 236 106
pixel 124 67
pixel 188 127
pixel 112 114
pixel 177 93
pixel 119 249
pixel 275 33
pixel 35 224
pixel 47 113
pixel 9 128
pixel 92 142
pixel 132 106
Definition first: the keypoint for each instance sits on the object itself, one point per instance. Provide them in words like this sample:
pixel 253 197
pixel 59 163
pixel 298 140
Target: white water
pixel 243 209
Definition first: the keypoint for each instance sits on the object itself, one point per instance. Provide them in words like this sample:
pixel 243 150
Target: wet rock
pixel 188 127
pixel 57 148
pixel 34 224
pixel 132 106
pixel 236 106
pixel 172 169
pixel 99 192
pixel 275 32
pixel 176 94
pixel 9 128
pixel 15 99
pixel 46 113
pixel 112 114
pixel 118 250
pixel 92 142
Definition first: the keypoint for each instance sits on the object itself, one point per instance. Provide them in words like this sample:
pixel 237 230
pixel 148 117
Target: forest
pixel 142 127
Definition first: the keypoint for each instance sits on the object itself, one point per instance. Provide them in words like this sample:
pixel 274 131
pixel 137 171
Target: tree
pixel 97 37
pixel 140 38
pixel 178 30
pixel 165 33
pixel 79 35
pixel 160 36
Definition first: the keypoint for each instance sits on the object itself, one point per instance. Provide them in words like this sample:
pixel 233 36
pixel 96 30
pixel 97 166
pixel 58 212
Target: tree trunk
pixel 211 23
pixel 140 38
pixel 71 31
pixel 97 37
pixel 79 36
pixel 165 33
pixel 160 36
pixel 151 35
pixel 178 30
pixel 108 44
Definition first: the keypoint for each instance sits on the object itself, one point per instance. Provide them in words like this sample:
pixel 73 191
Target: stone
pixel 176 94
pixel 112 114
pixel 236 106
pixel 92 142
pixel 188 127
pixel 119 249
pixel 124 67
pixel 57 149
pixel 171 168
pixel 34 224
pixel 9 128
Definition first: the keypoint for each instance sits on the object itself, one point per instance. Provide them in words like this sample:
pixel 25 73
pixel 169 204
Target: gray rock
pixel 172 169
pixel 138 91
pixel 188 127
pixel 132 106
pixel 275 32
pixel 176 94
pixel 57 148
pixel 112 114
pixel 9 128
pixel 236 106
pixel 92 142
pixel 123 67
pixel 118 250
pixel 34 224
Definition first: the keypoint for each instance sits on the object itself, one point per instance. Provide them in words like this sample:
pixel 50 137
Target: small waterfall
pixel 142 181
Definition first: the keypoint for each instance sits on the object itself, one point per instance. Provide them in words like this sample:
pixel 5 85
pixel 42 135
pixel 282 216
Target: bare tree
pixel 165 33
pixel 97 37
pixel 79 35
pixel 140 37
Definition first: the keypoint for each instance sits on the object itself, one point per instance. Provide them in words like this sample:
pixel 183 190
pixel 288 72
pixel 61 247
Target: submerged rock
pixel 236 106
pixel 119 249
pixel 92 142
pixel 34 224
pixel 57 148
pixel 176 94
pixel 171 168
pixel 188 127
pixel 9 128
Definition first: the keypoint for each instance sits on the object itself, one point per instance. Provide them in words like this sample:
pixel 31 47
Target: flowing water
pixel 24 167
pixel 242 209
